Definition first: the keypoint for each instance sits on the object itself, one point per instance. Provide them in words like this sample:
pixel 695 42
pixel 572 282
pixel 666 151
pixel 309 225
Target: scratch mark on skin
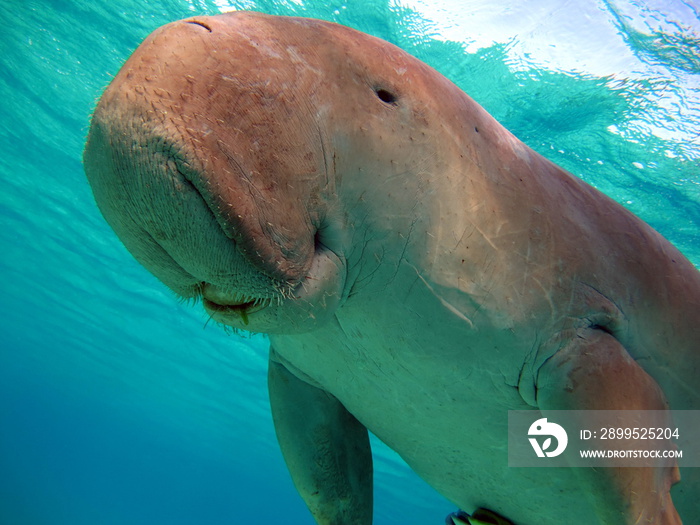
pixel 444 303
pixel 485 237
pixel 402 257
pixel 464 237
pixel 324 154
pixel 547 294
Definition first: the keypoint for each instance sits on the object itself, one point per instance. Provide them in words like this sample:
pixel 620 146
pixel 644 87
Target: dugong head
pixel 218 153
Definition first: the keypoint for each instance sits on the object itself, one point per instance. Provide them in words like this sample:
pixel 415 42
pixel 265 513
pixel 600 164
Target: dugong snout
pixel 160 215
pixel 177 170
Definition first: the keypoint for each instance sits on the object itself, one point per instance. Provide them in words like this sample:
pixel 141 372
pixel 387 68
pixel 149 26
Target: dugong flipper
pixel 595 372
pixel 326 449
pixel 420 271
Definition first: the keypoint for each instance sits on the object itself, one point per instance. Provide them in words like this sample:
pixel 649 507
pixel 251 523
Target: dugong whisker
pixel 210 317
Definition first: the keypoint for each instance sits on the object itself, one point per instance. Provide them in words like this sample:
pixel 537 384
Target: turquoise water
pixel 117 404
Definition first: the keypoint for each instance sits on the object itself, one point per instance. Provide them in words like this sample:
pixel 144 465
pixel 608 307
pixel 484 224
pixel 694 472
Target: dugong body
pixel 420 271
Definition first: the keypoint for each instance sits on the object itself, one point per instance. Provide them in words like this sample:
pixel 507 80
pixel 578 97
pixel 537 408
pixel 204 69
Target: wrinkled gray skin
pixel 420 271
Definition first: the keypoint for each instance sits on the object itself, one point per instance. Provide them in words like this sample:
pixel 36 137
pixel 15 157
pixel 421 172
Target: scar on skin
pixel 443 301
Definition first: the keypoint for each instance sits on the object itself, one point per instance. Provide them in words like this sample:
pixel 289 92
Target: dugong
pixel 419 270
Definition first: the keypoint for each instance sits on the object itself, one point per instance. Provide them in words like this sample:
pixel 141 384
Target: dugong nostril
pixel 198 23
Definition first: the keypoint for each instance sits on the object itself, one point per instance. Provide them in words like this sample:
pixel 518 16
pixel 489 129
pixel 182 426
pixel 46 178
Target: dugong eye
pixel 386 96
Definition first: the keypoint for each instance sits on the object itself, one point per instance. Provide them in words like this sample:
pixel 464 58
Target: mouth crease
pixel 217 307
pixel 228 225
pixel 230 228
pixel 241 310
pixel 186 175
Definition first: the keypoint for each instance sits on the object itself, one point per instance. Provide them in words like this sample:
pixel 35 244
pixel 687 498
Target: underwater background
pixel 120 405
